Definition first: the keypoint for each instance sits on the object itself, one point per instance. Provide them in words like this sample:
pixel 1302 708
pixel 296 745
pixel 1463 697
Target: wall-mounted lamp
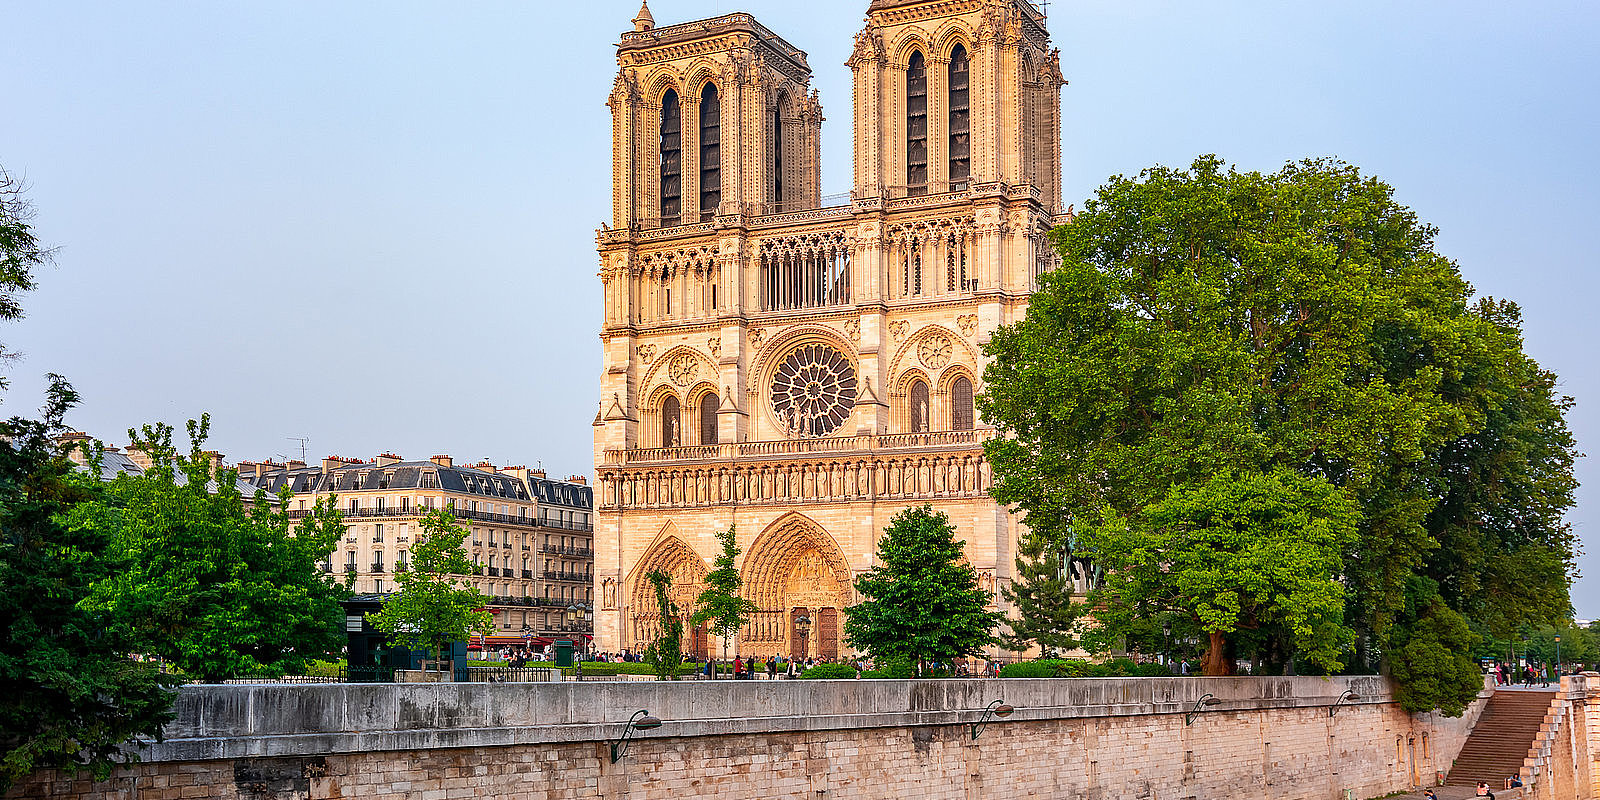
pixel 640 721
pixel 1348 695
pixel 995 709
pixel 1205 701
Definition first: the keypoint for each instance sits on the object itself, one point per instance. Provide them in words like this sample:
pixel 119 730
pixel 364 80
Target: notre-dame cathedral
pixel 799 368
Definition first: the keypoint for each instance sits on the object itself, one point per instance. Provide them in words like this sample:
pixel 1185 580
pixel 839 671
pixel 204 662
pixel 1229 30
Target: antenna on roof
pixel 303 440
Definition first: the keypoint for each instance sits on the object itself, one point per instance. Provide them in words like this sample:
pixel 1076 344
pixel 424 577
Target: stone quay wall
pixel 1267 737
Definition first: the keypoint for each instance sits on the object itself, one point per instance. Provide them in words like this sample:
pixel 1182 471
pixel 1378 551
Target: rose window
pixel 813 391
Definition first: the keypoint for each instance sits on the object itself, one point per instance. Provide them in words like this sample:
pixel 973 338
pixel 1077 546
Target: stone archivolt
pixel 673 556
pixel 793 565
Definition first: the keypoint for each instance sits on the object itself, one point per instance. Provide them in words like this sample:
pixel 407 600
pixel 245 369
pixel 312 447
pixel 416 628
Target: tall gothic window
pixel 670 434
pixel 960 101
pixel 917 126
pixel 777 158
pixel 671 159
pixel 708 419
pixel 961 405
pixel 710 153
pixel 918 397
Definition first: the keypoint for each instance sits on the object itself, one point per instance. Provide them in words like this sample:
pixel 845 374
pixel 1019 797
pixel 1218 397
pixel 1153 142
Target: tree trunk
pixel 1216 662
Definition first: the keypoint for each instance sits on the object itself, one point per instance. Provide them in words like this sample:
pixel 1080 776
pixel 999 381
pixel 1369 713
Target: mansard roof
pixel 410 475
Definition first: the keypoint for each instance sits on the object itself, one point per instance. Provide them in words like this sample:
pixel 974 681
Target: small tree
pixel 436 605
pixel 665 654
pixel 923 603
pixel 720 603
pixel 1042 593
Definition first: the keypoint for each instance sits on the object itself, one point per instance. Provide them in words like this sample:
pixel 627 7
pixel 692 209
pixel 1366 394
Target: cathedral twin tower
pixel 800 369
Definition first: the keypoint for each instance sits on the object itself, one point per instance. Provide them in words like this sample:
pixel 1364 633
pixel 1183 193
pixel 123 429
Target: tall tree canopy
pixel 204 580
pixel 1210 331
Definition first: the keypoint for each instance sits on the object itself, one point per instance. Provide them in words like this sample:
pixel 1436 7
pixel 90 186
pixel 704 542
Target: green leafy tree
pixel 719 603
pixel 70 691
pixel 1042 593
pixel 203 580
pixel 1211 322
pixel 1430 648
pixel 20 251
pixel 1235 552
pixel 436 604
pixel 922 602
pixel 665 654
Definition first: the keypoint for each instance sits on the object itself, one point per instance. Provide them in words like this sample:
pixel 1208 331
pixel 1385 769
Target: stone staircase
pixel 1499 743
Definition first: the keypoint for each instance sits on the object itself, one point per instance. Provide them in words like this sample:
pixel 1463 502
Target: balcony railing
pixel 554 575
pixel 787 447
pixel 527 573
pixel 556 550
pixel 475 516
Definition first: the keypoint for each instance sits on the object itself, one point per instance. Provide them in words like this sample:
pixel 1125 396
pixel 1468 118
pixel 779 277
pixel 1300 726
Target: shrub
pixel 898 669
pixel 1121 667
pixel 1153 670
pixel 829 671
pixel 1029 669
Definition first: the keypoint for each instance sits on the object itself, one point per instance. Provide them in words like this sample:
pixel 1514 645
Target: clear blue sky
pixel 372 224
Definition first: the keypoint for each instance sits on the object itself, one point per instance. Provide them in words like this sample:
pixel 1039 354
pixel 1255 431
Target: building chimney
pixel 518 472
pixel 296 464
pixel 443 461
pixel 139 457
pixel 385 459
pixel 486 466
pixel 579 479
pixel 75 444
pixel 536 473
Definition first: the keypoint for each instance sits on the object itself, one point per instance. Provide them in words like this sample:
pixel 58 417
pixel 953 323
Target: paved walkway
pixel 1459 793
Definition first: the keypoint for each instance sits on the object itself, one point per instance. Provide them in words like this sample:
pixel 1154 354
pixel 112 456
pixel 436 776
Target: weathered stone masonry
pixel 1269 738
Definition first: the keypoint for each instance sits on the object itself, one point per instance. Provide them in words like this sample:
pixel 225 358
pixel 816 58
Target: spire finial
pixel 644 21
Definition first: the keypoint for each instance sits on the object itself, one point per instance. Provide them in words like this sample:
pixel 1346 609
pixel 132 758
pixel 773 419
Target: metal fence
pixel 512 674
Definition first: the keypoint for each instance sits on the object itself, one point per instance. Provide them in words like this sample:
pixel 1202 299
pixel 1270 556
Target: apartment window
pixel 377 503
pixel 400 561
pixel 355 504
pixel 405 504
pixel 377 533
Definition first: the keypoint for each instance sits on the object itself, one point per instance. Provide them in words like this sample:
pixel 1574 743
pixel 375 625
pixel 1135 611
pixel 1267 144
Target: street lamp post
pixel 802 626
pixel 1558 659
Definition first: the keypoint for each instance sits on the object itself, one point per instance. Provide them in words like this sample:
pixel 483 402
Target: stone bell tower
pixel 954 94
pixel 711 117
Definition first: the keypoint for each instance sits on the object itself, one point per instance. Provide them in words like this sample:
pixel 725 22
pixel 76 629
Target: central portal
pixel 798 579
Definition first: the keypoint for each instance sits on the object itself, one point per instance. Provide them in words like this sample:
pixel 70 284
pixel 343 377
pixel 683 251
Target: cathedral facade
pixel 801 367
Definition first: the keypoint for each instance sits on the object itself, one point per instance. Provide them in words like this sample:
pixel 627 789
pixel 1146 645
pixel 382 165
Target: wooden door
pixel 798 645
pixel 828 633
pixel 699 643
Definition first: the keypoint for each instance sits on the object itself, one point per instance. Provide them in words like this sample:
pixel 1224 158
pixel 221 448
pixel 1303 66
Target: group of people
pixel 1528 675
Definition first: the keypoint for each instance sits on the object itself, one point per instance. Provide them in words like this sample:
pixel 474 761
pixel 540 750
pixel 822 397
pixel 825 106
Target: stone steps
pixel 1499 742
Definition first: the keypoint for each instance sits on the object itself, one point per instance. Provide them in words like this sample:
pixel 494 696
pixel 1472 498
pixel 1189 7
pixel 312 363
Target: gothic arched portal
pixel 793 569
pixel 688 571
